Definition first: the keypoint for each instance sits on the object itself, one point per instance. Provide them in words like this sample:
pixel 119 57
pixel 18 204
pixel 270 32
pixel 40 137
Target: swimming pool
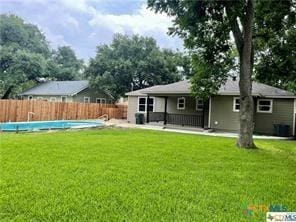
pixel 49 125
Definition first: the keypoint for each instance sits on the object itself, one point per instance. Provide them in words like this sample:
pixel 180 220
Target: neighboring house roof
pixel 68 88
pixel 140 92
pixel 231 87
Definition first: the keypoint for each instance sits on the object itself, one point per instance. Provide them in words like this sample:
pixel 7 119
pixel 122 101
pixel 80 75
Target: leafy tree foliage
pixel 17 34
pixel 24 51
pixel 26 57
pixel 131 63
pixel 65 64
pixel 275 45
pixel 205 27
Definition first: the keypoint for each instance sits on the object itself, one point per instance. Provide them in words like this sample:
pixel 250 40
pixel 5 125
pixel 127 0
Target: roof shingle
pixel 58 88
pixel 231 87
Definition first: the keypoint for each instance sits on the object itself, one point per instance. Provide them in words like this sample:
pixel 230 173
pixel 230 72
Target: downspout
pixel 294 119
pixel 203 115
pixel 210 111
pixel 147 109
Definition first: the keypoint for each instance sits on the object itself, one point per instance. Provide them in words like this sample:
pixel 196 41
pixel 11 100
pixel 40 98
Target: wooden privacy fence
pixel 19 110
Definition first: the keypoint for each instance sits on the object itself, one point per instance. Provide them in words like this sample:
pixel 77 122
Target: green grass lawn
pixel 141 175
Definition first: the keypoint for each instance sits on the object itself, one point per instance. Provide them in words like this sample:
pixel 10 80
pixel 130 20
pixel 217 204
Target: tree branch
pixel 237 33
pixel 7 93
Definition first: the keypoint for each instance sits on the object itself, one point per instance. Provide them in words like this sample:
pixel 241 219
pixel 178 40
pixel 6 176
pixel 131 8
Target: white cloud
pixel 141 22
pixel 84 24
pixel 69 21
pixel 83 6
pixel 54 39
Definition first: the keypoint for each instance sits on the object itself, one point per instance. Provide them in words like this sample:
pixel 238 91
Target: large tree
pixel 27 59
pixel 24 51
pixel 131 63
pixel 205 27
pixel 65 64
pixel 274 39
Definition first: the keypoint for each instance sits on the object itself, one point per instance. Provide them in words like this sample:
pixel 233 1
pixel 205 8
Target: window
pixel 52 99
pixel 101 100
pixel 236 104
pixel 86 99
pixel 151 104
pixel 181 103
pixel 142 104
pixel 64 98
pixel 264 105
pixel 39 98
pixel 199 105
pixel 30 97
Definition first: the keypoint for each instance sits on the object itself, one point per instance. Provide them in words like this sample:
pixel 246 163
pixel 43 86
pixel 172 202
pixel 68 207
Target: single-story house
pixel 173 104
pixel 67 91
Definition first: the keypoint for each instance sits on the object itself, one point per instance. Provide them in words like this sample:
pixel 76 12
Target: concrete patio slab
pixel 187 130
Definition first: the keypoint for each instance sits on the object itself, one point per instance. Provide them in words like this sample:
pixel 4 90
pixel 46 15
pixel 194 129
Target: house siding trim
pixel 294 119
pixel 210 111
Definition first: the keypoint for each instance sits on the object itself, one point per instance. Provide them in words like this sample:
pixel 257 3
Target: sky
pixel 85 24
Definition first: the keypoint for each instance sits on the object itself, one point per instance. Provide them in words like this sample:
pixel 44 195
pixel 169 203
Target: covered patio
pixel 169 117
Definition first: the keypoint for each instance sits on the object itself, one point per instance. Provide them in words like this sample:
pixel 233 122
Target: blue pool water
pixel 48 125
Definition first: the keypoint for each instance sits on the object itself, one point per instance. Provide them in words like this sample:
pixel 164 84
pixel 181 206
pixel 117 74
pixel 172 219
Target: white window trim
pixel 39 98
pixel 153 103
pixel 178 103
pixel 196 105
pixel 52 99
pixel 138 110
pixel 86 97
pixel 101 100
pixel 30 97
pixel 143 97
pixel 271 105
pixel 66 99
pixel 234 103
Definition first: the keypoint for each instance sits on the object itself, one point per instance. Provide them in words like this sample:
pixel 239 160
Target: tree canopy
pixel 275 34
pixel 26 57
pixel 67 65
pixel 131 63
pixel 205 27
pixel 262 33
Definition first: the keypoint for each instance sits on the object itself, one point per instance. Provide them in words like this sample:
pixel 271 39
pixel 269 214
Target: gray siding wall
pixel 190 106
pixel 282 113
pixel 224 118
pixel 133 107
pixel 222 115
pixel 92 94
pixel 79 97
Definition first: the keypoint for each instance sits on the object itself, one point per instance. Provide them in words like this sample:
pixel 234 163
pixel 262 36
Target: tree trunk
pixel 7 93
pixel 246 113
